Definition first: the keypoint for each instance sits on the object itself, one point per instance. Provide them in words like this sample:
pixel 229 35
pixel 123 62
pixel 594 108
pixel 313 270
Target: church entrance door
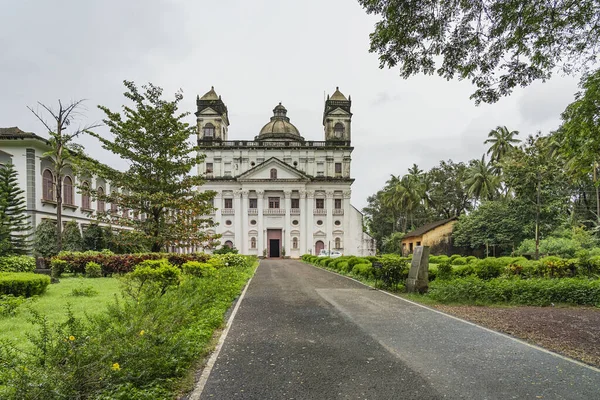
pixel 319 246
pixel 274 243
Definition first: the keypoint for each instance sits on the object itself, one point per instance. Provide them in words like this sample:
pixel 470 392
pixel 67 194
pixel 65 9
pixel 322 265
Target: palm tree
pixel 502 141
pixel 481 181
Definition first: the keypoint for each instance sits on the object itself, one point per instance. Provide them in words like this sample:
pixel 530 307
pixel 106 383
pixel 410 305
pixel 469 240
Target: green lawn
pixel 54 302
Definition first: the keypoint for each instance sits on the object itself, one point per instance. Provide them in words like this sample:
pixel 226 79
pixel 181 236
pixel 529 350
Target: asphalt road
pixel 305 333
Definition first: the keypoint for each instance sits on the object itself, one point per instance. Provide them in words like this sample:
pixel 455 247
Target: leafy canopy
pixel 497 44
pixel 158 187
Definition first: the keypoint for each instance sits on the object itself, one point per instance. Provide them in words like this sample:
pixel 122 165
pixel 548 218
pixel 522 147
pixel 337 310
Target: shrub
pixel 93 270
pixel 489 268
pixel 17 264
pixel 71 237
pixel 438 259
pixel 10 304
pixel 328 261
pixel 556 267
pixel 394 269
pixel 537 291
pixel 459 260
pixel 231 260
pixel 198 269
pixel 44 239
pixel 58 267
pixel 344 266
pixel 454 257
pixel 444 271
pixel 226 250
pixel 23 283
pixel 471 259
pixel 463 270
pixel 365 270
pixel 152 276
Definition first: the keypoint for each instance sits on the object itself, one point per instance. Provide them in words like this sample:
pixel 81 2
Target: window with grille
pixel 273 202
pixel 295 243
pixel 209 168
pixel 85 196
pixel 253 243
pixel 100 199
pixel 338 168
pixel 273 173
pixel 295 203
pixel 209 130
pixel 68 190
pixel 337 203
pixel 320 203
pixel 48 185
pixel 228 203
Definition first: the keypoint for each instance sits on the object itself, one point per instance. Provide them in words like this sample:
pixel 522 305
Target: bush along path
pixel 147 341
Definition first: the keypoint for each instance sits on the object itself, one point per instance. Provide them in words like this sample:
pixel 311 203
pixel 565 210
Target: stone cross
pixel 418 276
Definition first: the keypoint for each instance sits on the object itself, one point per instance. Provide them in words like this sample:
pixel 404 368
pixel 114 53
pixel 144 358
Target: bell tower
pixel 211 117
pixel 337 117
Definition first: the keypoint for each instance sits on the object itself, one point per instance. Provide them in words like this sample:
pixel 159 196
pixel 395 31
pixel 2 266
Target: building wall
pixel 431 238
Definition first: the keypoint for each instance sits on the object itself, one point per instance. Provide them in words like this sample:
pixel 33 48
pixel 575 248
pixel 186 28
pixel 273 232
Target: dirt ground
pixel 570 331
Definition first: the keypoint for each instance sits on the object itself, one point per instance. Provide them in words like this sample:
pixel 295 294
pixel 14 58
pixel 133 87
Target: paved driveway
pixel 305 333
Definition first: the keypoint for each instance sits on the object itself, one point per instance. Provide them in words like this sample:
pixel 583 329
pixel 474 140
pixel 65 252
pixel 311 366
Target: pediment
pixel 208 111
pixel 262 172
pixel 338 111
pixel 253 232
pixel 228 233
pixel 295 232
pixel 338 232
pixel 319 233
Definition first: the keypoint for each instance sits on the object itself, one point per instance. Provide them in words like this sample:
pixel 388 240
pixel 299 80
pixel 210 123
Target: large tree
pixel 14 222
pixel 501 141
pixel 159 186
pixel 497 44
pixel 481 180
pixel 579 134
pixel 539 182
pixel 63 130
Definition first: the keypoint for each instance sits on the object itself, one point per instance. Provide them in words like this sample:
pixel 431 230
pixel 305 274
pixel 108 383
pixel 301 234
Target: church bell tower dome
pixel 280 127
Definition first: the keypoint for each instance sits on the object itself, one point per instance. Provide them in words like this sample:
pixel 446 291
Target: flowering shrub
pixel 122 263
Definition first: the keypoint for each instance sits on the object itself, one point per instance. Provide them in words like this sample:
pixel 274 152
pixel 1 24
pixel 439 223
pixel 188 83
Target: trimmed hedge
pixel 23 283
pixel 535 292
pixel 122 263
pixel 17 264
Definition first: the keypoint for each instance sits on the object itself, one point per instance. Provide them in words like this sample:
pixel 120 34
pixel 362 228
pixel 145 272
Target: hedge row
pixel 122 263
pixel 23 283
pixel 17 264
pixel 535 291
pixel 394 269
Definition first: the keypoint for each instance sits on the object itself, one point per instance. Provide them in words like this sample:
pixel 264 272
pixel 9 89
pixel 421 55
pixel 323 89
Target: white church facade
pixel 279 194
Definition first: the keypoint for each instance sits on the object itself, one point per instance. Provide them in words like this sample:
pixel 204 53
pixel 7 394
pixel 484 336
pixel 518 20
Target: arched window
pixel 294 243
pixel 113 204
pixel 338 130
pixel 125 213
pixel 67 194
pixel 273 173
pixel 85 196
pixel 100 199
pixel 209 130
pixel 47 185
pixel 229 244
pixel 338 243
pixel 252 242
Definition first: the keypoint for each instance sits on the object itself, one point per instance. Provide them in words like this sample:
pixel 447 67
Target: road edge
pixel 199 387
pixel 581 364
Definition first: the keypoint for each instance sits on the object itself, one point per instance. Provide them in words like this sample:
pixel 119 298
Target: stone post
pixel 418 276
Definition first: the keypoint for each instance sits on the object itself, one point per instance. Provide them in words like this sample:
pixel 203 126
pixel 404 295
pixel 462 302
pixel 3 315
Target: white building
pixel 25 151
pixel 280 194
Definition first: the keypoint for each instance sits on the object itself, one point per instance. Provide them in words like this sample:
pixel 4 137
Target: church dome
pixel 279 127
pixel 337 95
pixel 210 95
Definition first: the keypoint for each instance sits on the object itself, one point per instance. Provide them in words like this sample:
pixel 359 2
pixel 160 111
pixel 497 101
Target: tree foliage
pixel 498 45
pixel 44 242
pixel 158 187
pixel 72 240
pixel 14 222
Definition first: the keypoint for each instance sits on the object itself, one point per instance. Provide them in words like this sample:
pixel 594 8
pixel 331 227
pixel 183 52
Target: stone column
pixel 244 227
pixel 330 244
pixel 308 224
pixel 346 225
pixel 287 241
pixel 303 212
pixel 261 234
pixel 237 218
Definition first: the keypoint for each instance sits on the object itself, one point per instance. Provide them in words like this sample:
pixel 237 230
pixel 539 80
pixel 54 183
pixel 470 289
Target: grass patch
pixel 54 302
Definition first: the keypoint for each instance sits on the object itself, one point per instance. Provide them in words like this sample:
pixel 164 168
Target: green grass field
pixel 53 304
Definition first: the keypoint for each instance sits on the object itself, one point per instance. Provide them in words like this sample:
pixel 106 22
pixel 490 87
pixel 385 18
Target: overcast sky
pixel 256 54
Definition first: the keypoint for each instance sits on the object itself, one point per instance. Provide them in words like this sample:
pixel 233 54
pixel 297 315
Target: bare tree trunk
pixel 597 192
